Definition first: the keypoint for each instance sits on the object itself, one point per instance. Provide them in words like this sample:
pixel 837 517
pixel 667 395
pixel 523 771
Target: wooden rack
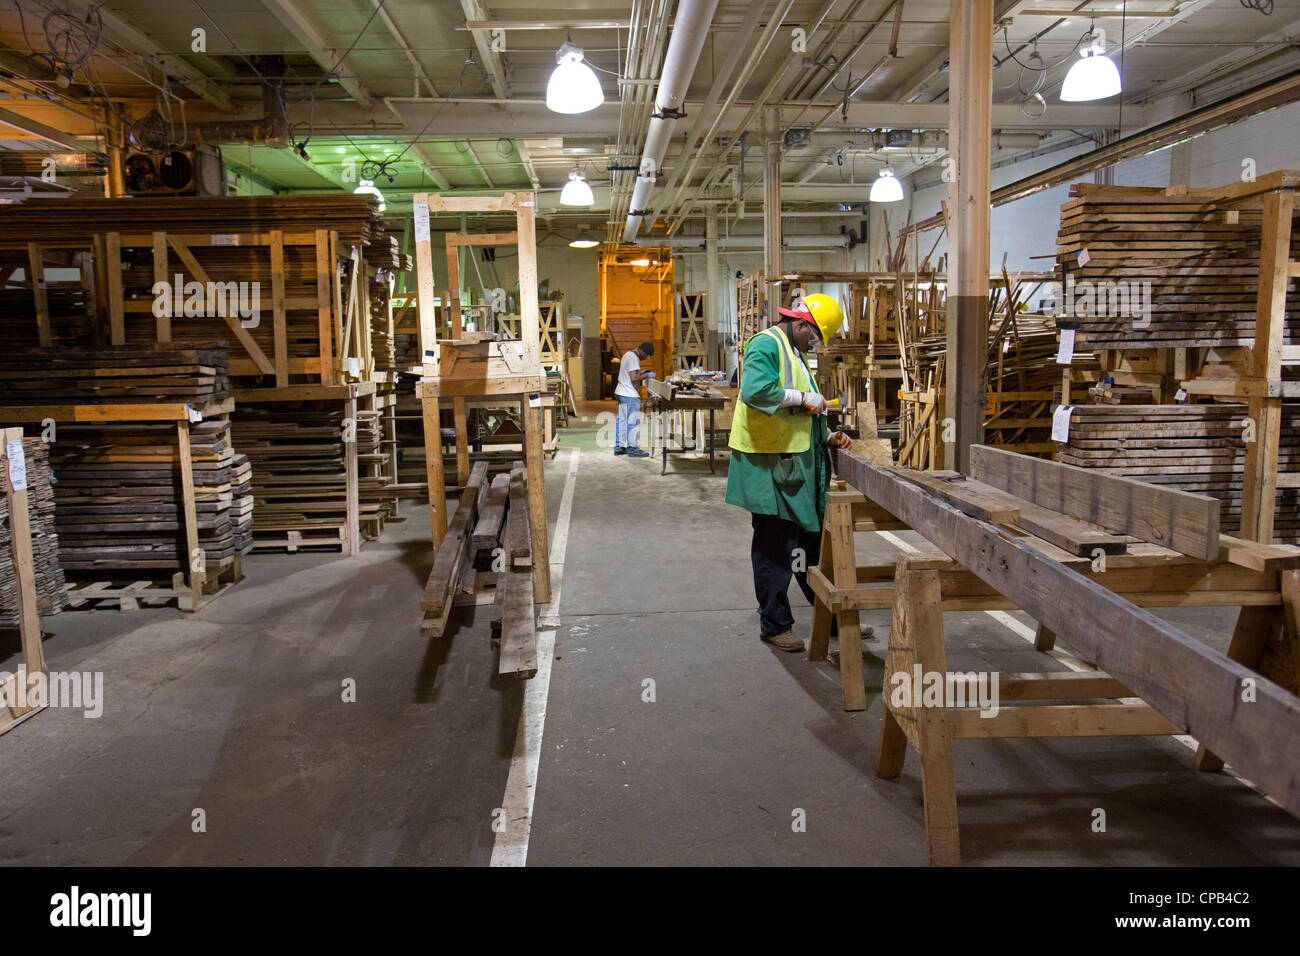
pixel 1003 542
pixel 17 709
pixel 478 365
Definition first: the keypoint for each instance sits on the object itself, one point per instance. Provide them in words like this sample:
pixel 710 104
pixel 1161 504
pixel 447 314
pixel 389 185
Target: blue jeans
pixel 628 422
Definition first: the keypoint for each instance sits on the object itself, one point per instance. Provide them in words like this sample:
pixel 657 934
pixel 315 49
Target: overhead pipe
pixel 690 30
pixel 743 242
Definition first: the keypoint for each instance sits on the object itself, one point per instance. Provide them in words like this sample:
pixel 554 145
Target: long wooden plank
pixel 518 656
pixel 451 554
pixel 36 274
pixel 20 542
pixel 1196 687
pixel 970 497
pixel 280 329
pixel 487 532
pixel 1173 519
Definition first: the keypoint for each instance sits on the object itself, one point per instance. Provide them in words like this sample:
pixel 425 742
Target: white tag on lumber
pixel 224 239
pixel 1181 395
pixel 534 399
pixel 1065 354
pixel 1061 423
pixel 193 414
pixel 17 465
pixel 421 222
pixel 354 365
pixel 1084 257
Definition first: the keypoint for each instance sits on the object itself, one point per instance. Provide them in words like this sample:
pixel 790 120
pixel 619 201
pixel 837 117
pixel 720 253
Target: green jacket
pixel 792 486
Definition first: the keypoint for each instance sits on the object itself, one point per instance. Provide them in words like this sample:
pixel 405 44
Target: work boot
pixel 637 453
pixel 785 641
pixel 620 451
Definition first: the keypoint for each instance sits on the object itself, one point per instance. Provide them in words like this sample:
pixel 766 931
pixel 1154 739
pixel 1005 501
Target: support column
pixel 772 210
pixel 969 127
pixel 711 299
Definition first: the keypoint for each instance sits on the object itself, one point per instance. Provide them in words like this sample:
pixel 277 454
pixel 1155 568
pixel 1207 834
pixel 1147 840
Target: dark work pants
pixel 773 556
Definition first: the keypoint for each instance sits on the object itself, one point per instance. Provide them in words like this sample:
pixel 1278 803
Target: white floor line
pixel 511 845
pixel 1026 632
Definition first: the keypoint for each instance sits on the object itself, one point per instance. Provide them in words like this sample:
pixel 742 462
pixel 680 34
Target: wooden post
pixel 20 533
pixel 113 271
pixel 195 560
pixel 352 541
pixel 326 276
pixel 424 283
pixel 462 439
pixel 712 295
pixel 281 332
pixel 433 470
pixel 36 270
pixel 163 329
pixel 969 130
pixel 537 532
pixel 1259 480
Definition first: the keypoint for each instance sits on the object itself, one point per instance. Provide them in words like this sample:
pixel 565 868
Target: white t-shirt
pixel 626 366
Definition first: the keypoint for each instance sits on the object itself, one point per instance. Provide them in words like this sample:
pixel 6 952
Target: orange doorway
pixel 636 305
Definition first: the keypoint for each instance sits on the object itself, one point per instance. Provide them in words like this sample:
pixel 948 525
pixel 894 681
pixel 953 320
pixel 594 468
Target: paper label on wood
pixel 1061 423
pixel 224 239
pixel 1065 354
pixel 17 465
pixel 534 399
pixel 421 222
pixel 193 413
pixel 1181 395
pixel 1084 257
pixel 354 365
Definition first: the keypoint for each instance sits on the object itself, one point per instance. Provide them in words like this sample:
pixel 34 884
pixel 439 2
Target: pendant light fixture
pixel 368 187
pixel 576 192
pixel 1093 76
pixel 887 188
pixel 573 86
pixel 584 239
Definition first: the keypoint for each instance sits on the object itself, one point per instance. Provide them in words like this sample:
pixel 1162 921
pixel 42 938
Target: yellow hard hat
pixel 826 314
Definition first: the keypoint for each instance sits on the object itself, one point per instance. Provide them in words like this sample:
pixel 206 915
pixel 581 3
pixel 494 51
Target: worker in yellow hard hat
pixel 780 466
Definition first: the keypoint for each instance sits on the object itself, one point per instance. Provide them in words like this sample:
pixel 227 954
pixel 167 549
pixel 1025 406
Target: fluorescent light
pixel 576 192
pixel 368 187
pixel 573 86
pixel 887 188
pixel 584 240
pixel 1094 76
pixel 639 262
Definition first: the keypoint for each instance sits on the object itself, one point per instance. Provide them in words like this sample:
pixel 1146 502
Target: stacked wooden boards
pixel 299 472
pixel 1196 448
pixel 71 376
pixel 1201 261
pixel 118 496
pixel 487 548
pixel 70 222
pixel 45 540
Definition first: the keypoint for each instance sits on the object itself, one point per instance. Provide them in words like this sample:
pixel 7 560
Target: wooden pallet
pixel 156 593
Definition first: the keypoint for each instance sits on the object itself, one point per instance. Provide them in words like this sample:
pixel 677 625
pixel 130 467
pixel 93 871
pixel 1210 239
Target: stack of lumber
pixel 71 222
pixel 377 500
pixel 487 551
pixel 119 495
pixel 45 540
pixel 1196 448
pixel 1201 260
pixel 66 376
pixel 299 472
pixel 382 349
pixel 68 303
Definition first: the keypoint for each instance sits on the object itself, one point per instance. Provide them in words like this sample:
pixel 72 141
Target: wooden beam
pixel 1196 687
pixel 969 131
pixel 1172 519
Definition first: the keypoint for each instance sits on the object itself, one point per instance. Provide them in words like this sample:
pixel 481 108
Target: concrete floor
pixel 238 711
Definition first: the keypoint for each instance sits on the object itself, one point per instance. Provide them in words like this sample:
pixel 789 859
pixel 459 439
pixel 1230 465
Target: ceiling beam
pixel 307 31
pixel 123 33
pixel 37 130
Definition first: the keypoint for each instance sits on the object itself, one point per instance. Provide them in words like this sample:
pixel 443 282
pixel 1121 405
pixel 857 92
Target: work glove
pixel 813 403
pixel 839 440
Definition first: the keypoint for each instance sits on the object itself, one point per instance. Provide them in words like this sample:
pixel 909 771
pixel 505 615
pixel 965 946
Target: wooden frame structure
pixel 199 584
pixel 989 560
pixel 464 367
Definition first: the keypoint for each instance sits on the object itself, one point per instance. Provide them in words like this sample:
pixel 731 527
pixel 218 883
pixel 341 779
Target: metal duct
pixel 690 29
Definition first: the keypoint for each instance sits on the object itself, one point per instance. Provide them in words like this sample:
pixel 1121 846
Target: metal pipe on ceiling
pixel 690 30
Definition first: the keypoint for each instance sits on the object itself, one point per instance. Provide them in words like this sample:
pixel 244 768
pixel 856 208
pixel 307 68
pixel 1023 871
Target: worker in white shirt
pixel 628 393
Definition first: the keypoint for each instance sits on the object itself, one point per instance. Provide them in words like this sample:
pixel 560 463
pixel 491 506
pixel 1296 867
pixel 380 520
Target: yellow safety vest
pixel 787 431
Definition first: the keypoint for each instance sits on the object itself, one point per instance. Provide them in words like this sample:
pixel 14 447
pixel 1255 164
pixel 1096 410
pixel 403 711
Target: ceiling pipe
pixel 742 242
pixel 690 30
